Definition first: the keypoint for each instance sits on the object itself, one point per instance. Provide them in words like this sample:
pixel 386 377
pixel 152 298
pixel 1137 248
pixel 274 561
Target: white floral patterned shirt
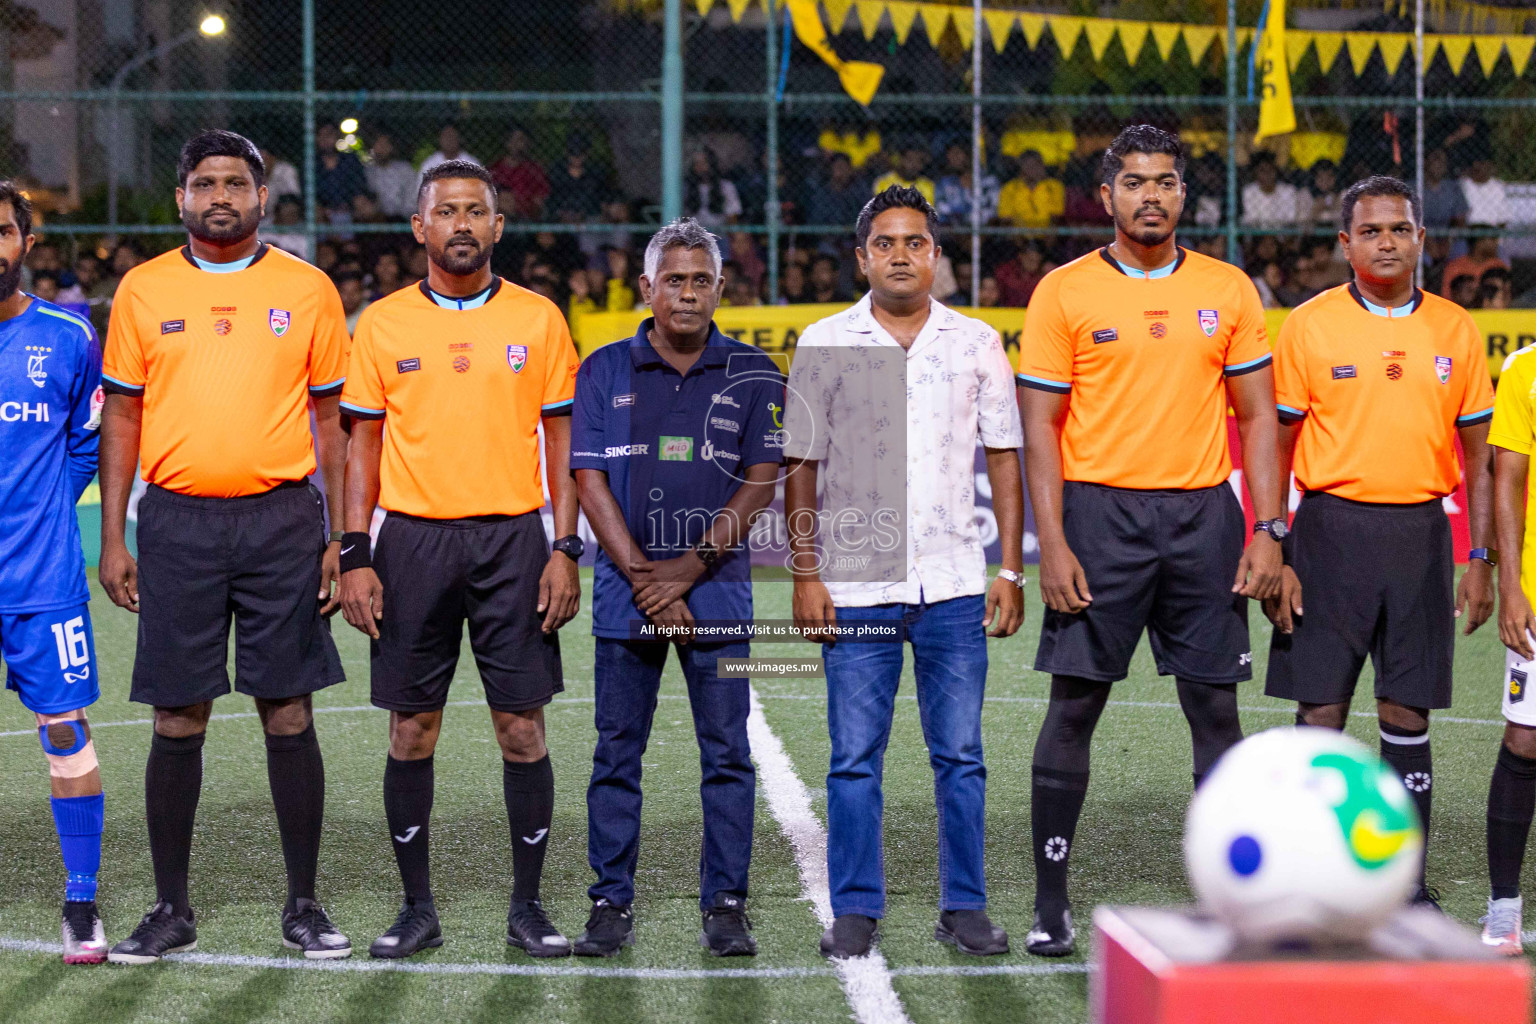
pixel 895 434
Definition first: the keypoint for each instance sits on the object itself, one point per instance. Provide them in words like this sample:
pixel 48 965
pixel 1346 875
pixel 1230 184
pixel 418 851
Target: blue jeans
pixel 949 649
pixel 628 676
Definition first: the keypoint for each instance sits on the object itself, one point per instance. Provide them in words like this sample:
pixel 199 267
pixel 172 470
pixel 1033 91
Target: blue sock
pixel 79 820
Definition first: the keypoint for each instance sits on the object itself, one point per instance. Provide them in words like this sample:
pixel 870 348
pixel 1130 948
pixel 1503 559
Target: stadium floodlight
pixel 348 126
pixel 212 26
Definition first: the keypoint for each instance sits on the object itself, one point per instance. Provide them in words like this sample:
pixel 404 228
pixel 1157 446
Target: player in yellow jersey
pixel 1512 793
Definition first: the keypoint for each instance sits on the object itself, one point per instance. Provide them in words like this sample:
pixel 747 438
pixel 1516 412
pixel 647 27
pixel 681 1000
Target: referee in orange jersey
pixel 450 381
pixel 213 355
pixel 1129 360
pixel 1377 382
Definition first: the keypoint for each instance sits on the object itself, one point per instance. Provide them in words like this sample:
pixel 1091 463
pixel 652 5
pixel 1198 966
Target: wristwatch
pixel 1016 578
pixel 1276 528
pixel 1489 555
pixel 707 552
pixel 571 547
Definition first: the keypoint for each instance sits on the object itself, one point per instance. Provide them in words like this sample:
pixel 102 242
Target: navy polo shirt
pixel 675 448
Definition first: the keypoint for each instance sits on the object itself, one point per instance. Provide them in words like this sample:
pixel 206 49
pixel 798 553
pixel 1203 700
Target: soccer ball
pixel 1302 834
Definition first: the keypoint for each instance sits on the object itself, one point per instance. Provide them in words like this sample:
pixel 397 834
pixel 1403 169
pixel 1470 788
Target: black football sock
pixel 1511 800
pixel 1056 802
pixel 296 775
pixel 1407 751
pixel 529 788
pixel 173 780
pixel 408 808
pixel 1060 782
pixel 1214 728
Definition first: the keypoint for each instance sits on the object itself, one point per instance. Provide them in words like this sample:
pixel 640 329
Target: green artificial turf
pixel 1127 851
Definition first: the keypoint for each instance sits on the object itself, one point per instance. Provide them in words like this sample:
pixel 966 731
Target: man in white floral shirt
pixel 887 401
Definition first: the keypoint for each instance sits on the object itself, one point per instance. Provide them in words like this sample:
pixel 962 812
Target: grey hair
pixel 683 233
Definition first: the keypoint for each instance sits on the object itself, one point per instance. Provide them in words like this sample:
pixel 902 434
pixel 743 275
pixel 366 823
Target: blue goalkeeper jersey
pixel 50 414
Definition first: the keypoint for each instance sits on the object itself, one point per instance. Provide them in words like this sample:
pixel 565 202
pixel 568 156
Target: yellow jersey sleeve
pixel 1511 427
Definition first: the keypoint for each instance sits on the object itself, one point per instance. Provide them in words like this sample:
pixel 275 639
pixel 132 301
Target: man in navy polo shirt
pixel 675 446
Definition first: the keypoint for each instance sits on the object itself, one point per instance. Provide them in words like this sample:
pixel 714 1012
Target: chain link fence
pixel 571 105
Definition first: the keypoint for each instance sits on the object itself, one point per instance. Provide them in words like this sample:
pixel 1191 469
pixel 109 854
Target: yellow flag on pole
pixel 1277 116
pixel 860 78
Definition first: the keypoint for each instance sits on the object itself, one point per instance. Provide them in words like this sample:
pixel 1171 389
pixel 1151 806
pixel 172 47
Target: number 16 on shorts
pixel 50 659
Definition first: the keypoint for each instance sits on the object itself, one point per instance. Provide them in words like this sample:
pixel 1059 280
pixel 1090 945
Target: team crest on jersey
pixel 35 371
pixel 278 320
pixel 1209 319
pixel 1516 686
pixel 98 401
pixel 517 357
pixel 1443 369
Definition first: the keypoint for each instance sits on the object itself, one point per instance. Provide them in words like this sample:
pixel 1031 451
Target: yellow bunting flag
pixel 704 5
pixel 1296 46
pixel 1360 45
pixel 1276 114
pixel 1066 30
pixel 1328 46
pixel 1033 26
pixel 1100 31
pixel 738 8
pixel 1455 49
pixel 1488 50
pixel 999 26
pixel 903 13
pixel 1519 48
pixel 1133 36
pixel 860 78
pixel 1165 35
pixel 837 13
pixel 870 12
pixel 1199 39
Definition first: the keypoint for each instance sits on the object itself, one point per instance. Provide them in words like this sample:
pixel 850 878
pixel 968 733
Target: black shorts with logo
pixel 439 573
pixel 1163 561
pixel 254 560
pixel 1376 580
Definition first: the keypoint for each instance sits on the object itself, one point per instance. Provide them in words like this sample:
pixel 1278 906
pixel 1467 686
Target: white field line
pixel 363 965
pixel 866 980
pixel 1277 710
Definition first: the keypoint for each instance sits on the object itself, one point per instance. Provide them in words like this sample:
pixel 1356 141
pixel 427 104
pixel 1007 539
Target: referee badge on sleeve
pixel 1516 686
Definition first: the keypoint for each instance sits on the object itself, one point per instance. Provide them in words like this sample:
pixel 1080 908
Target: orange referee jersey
pixel 1380 394
pixel 1145 359
pixel 226 363
pixel 461 391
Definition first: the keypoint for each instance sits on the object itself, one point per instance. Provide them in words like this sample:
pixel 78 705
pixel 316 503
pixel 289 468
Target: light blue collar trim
pixel 1150 275
pixel 224 268
pixel 1390 313
pixel 472 302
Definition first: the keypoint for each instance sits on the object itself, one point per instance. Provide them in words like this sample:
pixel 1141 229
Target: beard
pixel 10 278
pixel 241 228
pixel 457 264
pixel 1148 234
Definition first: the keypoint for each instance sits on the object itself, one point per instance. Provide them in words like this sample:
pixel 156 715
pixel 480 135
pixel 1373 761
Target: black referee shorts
pixel 438 574
pixel 1376 580
pixel 1163 561
pixel 254 559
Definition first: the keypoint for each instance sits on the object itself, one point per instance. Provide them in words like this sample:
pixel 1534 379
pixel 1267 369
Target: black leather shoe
pixel 1052 935
pixel 609 929
pixel 727 929
pixel 416 929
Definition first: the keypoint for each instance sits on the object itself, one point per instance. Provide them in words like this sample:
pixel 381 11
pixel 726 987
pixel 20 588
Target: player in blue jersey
pixel 50 409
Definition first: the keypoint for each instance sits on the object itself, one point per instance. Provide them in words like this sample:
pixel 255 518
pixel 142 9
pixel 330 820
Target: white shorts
pixel 1519 701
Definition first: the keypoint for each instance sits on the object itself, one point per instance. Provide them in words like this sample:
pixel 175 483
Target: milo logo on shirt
pixel 676 449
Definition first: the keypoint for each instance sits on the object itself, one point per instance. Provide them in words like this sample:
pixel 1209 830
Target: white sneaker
pixel 1501 928
pixel 85 941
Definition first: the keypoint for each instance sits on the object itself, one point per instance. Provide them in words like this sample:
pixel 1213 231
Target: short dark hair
pixel 1461 281
pixel 1260 159
pixel 346 275
pixel 21 206
pixel 49 275
pixel 895 197
pixel 1378 185
pixel 456 169
pixel 218 142
pixel 1140 138
pixel 1493 275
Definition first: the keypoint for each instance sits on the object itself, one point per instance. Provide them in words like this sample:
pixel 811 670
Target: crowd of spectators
pixel 573 231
